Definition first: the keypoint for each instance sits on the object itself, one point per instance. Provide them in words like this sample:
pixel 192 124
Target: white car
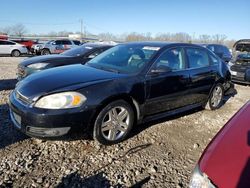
pixel 12 48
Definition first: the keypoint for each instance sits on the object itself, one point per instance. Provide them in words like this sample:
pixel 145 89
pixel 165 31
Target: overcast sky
pixel 195 17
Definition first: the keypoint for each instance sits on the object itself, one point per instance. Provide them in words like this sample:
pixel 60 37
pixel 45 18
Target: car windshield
pixel 124 58
pixel 78 51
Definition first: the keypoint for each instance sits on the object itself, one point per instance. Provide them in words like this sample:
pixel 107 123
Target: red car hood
pixel 226 160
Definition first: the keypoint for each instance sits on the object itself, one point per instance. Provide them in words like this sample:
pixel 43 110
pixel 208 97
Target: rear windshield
pixel 78 51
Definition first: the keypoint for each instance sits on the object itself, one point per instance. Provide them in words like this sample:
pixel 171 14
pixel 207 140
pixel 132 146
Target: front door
pixel 167 82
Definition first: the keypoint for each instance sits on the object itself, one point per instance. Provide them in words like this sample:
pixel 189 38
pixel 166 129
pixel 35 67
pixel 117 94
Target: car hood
pixel 226 160
pixel 65 78
pixel 43 58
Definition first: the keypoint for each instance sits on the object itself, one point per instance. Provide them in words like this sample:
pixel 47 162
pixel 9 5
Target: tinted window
pixel 58 42
pixel 96 53
pixel 66 42
pixel 127 58
pixel 171 60
pixel 2 42
pixel 76 42
pixel 197 58
pixel 9 43
pixel 215 60
pixel 78 51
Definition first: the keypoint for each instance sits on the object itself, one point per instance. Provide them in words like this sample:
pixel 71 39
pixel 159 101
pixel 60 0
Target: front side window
pixel 124 58
pixel 197 58
pixel 171 60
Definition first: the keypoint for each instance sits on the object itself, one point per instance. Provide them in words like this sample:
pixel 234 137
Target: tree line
pixel 20 30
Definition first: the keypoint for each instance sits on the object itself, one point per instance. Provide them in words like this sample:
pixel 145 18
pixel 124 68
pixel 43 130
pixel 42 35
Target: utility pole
pixel 81 28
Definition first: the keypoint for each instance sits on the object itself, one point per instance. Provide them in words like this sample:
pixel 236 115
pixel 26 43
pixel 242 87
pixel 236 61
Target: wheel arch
pixel 130 100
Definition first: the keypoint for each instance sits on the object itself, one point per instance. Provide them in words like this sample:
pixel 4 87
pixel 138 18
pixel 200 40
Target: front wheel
pixel 45 52
pixel 215 100
pixel 113 123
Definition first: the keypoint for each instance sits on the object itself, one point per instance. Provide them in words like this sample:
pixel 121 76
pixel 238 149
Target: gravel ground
pixel 158 154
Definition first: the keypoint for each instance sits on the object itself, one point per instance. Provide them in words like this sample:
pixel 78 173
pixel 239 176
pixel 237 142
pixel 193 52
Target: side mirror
pixel 247 75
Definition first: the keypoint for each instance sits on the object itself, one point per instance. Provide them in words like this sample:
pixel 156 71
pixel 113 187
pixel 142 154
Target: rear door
pixel 167 82
pixel 66 44
pixel 202 73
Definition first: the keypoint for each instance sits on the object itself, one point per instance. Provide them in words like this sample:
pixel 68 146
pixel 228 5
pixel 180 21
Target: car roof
pixel 94 45
pixel 162 44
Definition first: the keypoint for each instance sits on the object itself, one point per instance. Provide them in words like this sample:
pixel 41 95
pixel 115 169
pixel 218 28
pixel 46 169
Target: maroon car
pixel 225 163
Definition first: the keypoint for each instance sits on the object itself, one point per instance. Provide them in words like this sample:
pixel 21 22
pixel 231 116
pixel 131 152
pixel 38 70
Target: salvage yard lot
pixel 157 154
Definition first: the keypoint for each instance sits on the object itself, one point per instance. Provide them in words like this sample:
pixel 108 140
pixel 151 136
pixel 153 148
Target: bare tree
pixel 204 38
pixel 107 36
pixel 19 30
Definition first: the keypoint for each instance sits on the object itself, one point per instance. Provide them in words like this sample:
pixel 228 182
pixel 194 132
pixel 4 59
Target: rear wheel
pixel 113 123
pixel 45 52
pixel 15 53
pixel 215 100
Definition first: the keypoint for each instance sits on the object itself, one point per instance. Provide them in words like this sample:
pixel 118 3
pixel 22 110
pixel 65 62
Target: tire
pixel 45 52
pixel 215 100
pixel 15 53
pixel 108 127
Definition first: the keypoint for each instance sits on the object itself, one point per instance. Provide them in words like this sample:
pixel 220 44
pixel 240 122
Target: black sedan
pixel 76 55
pixel 220 50
pixel 125 85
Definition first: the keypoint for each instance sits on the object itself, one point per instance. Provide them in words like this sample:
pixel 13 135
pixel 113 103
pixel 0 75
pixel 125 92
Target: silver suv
pixel 57 46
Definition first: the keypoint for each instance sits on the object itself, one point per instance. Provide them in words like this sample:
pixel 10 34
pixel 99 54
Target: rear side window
pixel 214 60
pixel 66 42
pixel 171 59
pixel 58 42
pixel 76 42
pixel 197 58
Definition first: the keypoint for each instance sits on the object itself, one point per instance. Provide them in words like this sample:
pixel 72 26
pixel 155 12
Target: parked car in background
pixel 12 48
pixel 27 43
pixel 125 85
pixel 56 46
pixel 80 54
pixel 220 50
pixel 225 163
pixel 241 63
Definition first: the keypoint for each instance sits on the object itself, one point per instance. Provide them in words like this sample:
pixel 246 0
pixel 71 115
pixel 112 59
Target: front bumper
pixel 44 123
pixel 239 78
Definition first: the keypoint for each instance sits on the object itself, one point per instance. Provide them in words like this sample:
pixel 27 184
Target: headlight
pixel 38 65
pixel 200 180
pixel 61 101
pixel 230 64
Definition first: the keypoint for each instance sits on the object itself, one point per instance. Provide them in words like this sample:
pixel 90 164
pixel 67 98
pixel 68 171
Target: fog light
pixel 48 132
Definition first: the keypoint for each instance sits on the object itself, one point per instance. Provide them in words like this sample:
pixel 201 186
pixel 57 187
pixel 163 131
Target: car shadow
pixel 96 181
pixel 7 84
pixel 143 126
pixel 8 133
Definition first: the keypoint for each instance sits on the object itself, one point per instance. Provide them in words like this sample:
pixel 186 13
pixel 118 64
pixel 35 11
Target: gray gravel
pixel 158 154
